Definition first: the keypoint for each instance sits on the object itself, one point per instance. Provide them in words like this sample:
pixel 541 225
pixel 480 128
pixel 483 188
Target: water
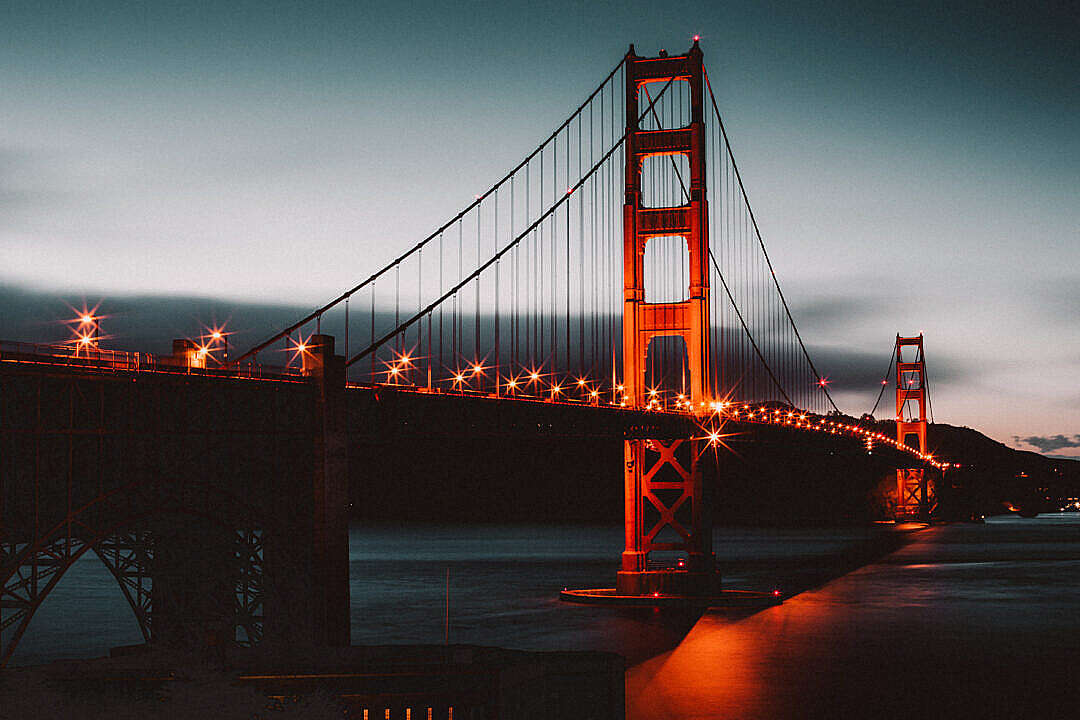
pixel 504 583
pixel 965 621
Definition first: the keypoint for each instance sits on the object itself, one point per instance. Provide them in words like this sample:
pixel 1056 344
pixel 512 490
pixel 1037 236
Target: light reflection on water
pixel 965 621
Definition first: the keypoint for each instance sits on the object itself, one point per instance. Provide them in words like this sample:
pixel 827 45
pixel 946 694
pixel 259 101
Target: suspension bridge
pixel 613 284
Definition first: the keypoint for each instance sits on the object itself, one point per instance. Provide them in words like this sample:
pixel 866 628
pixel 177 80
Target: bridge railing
pixel 126 360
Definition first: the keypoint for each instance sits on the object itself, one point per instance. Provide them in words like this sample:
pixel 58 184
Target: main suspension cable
pixel 476 202
pixel 885 379
pixel 499 254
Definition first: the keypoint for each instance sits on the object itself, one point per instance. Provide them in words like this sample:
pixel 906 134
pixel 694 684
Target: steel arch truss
pixel 129 557
pixel 28 577
pixel 250 587
pixel 118 528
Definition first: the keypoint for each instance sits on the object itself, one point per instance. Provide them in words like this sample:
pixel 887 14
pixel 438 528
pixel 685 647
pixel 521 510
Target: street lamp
pixel 218 335
pixel 87 332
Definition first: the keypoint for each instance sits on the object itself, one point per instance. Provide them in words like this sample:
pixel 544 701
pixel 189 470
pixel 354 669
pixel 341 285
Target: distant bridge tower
pixel 914 491
pixel 664 491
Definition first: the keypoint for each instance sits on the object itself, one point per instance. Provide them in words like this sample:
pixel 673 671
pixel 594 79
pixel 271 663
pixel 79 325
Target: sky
pixel 913 168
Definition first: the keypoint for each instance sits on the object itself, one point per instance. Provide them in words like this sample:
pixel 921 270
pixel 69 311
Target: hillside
pixel 993 475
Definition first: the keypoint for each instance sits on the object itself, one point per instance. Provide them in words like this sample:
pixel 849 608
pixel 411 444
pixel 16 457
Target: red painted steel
pixel 915 496
pixel 657 482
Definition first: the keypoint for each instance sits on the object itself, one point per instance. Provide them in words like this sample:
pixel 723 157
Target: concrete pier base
pixel 667 582
pixel 720 598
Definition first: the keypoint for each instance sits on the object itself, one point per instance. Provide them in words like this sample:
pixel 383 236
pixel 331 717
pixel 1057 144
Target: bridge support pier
pixel 916 493
pixel 666 511
pixel 330 489
pixel 193 571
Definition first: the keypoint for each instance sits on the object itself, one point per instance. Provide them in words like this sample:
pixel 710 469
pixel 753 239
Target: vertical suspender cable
pixel 568 204
pixel 442 361
pixel 476 323
pixel 514 295
pixel 498 368
pixel 761 243
pixel 371 378
pixel 581 266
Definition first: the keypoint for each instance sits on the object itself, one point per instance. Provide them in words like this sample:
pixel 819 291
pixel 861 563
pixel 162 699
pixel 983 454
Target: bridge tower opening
pixel 915 492
pixel 665 499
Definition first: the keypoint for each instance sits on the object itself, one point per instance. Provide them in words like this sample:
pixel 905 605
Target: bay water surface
pixel 504 582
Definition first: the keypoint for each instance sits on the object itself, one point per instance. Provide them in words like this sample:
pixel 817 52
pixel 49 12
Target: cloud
pixel 857 370
pixel 137 322
pixel 826 311
pixel 1049 443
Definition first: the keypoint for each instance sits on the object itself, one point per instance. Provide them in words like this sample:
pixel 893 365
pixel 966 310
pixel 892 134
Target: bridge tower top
pixel 686 220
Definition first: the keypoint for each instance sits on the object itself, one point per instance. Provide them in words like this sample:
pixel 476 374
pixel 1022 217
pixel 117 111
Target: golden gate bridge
pixel 614 283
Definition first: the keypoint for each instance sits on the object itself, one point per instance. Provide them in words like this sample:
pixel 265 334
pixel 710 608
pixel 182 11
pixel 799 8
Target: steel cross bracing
pixel 147 472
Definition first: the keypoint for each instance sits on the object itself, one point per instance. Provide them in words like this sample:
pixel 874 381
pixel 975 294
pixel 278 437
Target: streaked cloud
pixel 1049 443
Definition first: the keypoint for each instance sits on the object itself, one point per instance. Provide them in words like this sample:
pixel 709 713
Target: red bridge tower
pixel 914 490
pixel 664 492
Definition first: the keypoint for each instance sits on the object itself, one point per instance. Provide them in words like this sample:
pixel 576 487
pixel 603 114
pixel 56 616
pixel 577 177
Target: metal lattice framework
pixel 129 556
pixel 148 473
pixel 127 548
